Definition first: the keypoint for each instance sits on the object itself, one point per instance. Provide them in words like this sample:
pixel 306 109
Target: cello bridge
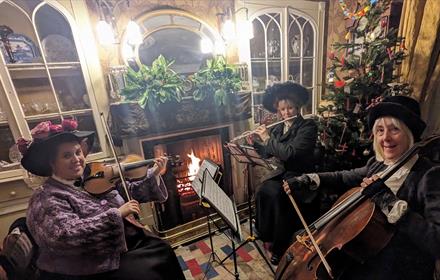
pixel 305 241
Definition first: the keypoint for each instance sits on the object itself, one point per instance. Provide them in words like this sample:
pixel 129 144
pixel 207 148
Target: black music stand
pixel 249 156
pixel 224 206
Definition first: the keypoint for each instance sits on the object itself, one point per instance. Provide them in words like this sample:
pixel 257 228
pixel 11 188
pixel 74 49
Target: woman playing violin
pixel 409 199
pixel 84 236
pixel 292 142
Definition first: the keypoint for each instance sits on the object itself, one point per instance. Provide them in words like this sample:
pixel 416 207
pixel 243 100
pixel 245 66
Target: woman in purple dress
pixel 85 236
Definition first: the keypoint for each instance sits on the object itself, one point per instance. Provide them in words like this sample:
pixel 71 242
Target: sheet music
pixel 248 154
pixel 237 153
pixel 221 202
pixel 208 165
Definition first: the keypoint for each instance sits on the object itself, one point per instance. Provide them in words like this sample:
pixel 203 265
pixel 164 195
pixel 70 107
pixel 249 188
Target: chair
pixel 19 253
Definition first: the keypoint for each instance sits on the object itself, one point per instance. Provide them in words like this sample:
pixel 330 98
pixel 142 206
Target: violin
pixel 100 177
pixel 353 228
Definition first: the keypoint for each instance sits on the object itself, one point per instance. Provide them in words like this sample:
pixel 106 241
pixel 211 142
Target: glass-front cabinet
pixel 287 45
pixel 42 77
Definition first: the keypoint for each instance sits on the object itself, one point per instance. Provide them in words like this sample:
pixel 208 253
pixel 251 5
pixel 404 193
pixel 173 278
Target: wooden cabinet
pixel 49 71
pixel 42 73
pixel 14 195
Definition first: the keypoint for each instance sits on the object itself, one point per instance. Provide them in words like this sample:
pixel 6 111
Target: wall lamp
pixel 229 30
pixel 106 28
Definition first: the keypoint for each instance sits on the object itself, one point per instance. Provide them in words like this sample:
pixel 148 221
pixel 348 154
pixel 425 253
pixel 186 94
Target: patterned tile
pixel 197 262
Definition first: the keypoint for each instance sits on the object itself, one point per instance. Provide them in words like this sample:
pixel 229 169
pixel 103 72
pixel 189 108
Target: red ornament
pixel 331 55
pixel 339 83
pixel 384 22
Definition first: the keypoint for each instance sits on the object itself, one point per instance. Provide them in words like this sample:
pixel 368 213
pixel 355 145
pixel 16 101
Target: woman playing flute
pixel 292 142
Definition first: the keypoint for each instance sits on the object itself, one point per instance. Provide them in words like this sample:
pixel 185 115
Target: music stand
pixel 225 207
pixel 249 156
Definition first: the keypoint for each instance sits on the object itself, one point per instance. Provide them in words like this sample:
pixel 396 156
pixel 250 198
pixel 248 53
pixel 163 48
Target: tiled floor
pixel 196 259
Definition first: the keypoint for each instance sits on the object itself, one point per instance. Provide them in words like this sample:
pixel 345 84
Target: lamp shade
pixel 134 36
pixel 105 33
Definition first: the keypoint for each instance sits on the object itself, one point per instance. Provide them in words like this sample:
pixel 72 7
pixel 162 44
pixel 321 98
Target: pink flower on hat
pixel 69 124
pixel 22 145
pixel 55 128
pixel 42 130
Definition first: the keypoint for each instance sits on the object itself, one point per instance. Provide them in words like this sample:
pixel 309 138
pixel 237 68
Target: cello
pixel 352 228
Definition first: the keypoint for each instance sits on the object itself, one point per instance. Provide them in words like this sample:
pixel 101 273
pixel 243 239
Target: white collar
pixel 64 181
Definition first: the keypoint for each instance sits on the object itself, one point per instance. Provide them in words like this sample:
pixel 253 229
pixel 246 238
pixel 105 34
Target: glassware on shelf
pixel 33 181
pixel 2 115
pixel 14 154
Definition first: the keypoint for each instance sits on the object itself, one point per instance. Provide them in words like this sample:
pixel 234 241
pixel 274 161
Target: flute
pixel 250 132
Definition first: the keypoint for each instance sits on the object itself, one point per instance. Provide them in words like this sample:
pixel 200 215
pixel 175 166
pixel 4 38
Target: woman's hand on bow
pixel 131 207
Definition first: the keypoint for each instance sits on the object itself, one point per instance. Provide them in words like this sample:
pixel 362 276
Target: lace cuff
pixel 399 209
pixel 315 181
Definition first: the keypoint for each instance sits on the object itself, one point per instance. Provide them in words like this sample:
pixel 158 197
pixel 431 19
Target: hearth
pixel 193 147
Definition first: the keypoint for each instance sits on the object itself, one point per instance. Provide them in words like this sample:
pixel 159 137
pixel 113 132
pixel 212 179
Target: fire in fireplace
pixel 182 205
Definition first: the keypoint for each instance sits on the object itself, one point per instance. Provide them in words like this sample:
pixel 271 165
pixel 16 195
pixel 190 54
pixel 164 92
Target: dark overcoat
pixel 415 246
pixel 274 212
pixel 294 148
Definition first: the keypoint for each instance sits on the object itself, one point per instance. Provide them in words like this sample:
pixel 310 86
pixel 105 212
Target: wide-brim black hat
pixel 36 159
pixel 288 90
pixel 401 107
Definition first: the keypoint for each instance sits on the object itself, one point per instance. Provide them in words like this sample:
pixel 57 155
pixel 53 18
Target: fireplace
pixel 193 147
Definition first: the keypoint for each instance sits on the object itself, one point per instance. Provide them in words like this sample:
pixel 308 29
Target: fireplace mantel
pixel 134 127
pixel 128 119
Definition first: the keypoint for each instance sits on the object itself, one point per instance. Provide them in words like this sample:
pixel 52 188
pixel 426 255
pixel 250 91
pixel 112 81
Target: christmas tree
pixel 362 70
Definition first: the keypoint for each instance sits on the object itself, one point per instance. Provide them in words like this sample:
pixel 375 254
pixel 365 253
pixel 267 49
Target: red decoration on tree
pixel 339 83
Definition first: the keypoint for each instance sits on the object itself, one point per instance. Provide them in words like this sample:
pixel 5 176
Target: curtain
pixel 420 25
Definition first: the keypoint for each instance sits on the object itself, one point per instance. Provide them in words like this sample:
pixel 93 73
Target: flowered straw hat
pixel 45 138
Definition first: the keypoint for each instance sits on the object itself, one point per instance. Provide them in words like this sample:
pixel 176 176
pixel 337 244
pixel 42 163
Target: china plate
pixel 23 49
pixel 58 48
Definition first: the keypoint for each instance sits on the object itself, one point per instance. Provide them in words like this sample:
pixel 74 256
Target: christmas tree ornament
pixel 339 83
pixel 353 15
pixel 366 152
pixel 331 55
pixel 390 53
pixel 347 89
pixel 384 22
pixel 330 76
pixel 357 108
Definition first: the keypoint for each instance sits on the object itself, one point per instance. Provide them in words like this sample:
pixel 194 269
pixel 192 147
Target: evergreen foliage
pixel 153 85
pixel 362 71
pixel 217 79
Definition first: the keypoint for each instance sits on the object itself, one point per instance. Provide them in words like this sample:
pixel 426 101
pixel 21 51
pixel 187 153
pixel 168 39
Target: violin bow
pixel 118 164
pixel 309 233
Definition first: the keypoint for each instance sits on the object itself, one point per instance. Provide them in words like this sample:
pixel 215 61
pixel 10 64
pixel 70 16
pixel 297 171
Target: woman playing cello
pixel 84 236
pixel 410 198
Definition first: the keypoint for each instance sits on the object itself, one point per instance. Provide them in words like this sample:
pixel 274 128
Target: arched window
pixel 178 36
pixel 287 45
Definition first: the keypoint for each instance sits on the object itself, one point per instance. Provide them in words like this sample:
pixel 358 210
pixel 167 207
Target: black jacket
pixel 415 246
pixel 294 148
